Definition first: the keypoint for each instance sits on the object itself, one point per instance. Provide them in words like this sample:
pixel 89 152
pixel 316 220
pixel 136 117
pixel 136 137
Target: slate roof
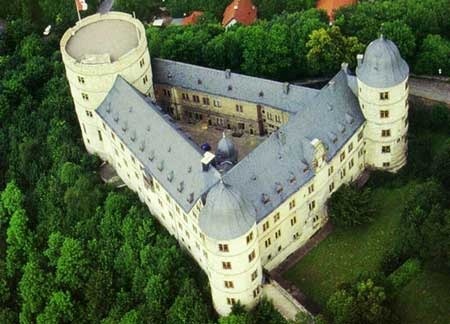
pixel 165 152
pixel 227 214
pixel 232 85
pixel 382 65
pixel 280 165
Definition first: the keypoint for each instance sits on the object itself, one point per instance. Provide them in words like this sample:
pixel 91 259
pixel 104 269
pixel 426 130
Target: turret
pixel 226 154
pixel 94 52
pixel 228 222
pixel 382 77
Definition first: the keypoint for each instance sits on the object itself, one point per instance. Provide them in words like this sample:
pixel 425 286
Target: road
pixel 430 89
pixel 105 6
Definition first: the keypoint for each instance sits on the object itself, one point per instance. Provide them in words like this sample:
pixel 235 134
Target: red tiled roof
pixel 192 18
pixel 331 5
pixel 244 11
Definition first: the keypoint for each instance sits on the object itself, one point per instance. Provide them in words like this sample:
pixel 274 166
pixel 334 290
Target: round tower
pixel 382 76
pixel 94 52
pixel 228 222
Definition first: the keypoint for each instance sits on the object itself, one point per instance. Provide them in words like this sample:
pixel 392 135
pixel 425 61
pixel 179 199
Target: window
pixel 202 236
pixel 361 152
pixel 267 242
pixel 265 226
pixel 384 113
pixel 293 221
pixel 229 284
pixel 100 138
pixel 249 237
pixel 89 113
pixel 84 128
pixel 85 96
pixel 216 103
pixel 276 217
pixel 206 101
pixel 312 205
pixel 145 79
pixel 251 256
pixel 342 157
pixel 239 108
pixel 292 204
pixel 122 147
pixel 342 173
pixel 331 186
pixel 406 86
pixel 226 265
pixel 196 98
pixel 384 95
pixel 386 164
pixel 330 170
pixel 185 218
pixel 350 147
pixel 223 248
pixel 81 79
pixel 185 96
pixel 187 234
pixel 311 188
pixel 385 133
pixel 360 136
pixel 231 301
pixel 278 234
pixel 254 275
pixel 255 292
pixel 141 63
pixel 386 149
pixel 351 163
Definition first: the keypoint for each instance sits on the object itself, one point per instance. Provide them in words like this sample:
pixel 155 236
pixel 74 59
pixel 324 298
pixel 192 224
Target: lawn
pixel 347 253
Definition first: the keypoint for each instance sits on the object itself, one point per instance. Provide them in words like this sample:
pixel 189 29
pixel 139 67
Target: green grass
pixel 346 253
pixel 426 299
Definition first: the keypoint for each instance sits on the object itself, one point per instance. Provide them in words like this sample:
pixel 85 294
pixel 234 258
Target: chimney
pixel 344 67
pixel 207 160
pixel 331 84
pixel 227 73
pixel 359 59
pixel 286 87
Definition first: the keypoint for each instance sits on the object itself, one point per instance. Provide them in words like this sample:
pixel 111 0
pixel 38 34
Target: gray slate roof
pixel 280 165
pixel 237 86
pixel 227 213
pixel 382 66
pixel 165 152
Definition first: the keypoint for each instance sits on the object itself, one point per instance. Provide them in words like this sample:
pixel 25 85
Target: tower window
pixel 265 226
pixel 311 188
pixel 231 301
pixel 254 275
pixel 267 242
pixel 292 204
pixel 255 292
pixel 312 205
pixel 276 217
pixel 85 96
pixel 386 149
pixel 81 79
pixel 229 284
pixel 330 170
pixel 226 265
pixel 351 163
pixel 141 63
pixel 223 248
pixel 385 132
pixel 277 234
pixel 360 136
pixel 331 186
pixel 249 237
pixel 145 79
pixel 342 157
pixel 350 147
pixel 384 95
pixel 384 113
pixel 386 164
pixel 100 136
pixel 293 221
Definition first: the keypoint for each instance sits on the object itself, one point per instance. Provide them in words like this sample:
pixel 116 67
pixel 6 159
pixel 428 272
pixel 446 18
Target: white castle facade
pixel 234 218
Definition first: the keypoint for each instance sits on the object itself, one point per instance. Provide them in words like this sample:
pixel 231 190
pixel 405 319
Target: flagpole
pixel 78 11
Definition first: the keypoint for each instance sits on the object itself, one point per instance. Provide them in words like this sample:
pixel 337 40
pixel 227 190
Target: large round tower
pixel 228 222
pixel 382 76
pixel 95 51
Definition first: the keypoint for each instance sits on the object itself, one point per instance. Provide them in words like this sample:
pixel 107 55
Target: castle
pixel 235 218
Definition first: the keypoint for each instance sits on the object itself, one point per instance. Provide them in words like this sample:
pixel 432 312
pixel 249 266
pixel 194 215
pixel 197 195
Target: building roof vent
pixel 116 117
pixel 133 136
pixel 180 186
pixel 230 87
pixel 108 107
pixel 292 178
pixel 349 118
pixel 161 165
pixel 199 81
pixel 278 187
pixel 189 169
pixel 332 136
pixel 265 198
pixel 130 109
pixel 261 94
pixel 227 73
pixel 170 176
pixel 151 155
pixel 190 198
pixel 208 158
pixel 142 146
pixel 125 126
pixel 341 127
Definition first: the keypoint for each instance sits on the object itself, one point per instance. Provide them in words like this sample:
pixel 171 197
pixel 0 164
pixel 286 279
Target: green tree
pixel 18 240
pixel 441 165
pixel 363 302
pixel 349 206
pixel 72 266
pixel 402 35
pixel 59 309
pixel 12 198
pixel 433 55
pixel 328 48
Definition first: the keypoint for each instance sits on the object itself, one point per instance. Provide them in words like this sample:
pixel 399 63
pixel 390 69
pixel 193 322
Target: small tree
pixel 350 206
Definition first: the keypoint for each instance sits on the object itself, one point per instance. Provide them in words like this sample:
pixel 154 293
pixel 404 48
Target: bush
pixel 351 207
pixel 405 273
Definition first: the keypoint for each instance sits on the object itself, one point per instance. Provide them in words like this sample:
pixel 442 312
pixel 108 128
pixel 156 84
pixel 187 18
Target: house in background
pixel 185 21
pixel 239 11
pixel 330 6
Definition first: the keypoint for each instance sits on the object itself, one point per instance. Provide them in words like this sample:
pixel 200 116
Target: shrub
pixel 405 273
pixel 351 207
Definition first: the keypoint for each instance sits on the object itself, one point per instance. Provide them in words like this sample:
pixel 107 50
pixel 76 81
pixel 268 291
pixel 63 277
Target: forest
pixel 75 250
